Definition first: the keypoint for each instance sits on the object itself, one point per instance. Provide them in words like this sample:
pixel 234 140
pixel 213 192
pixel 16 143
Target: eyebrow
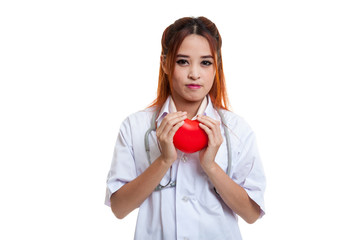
pixel 186 56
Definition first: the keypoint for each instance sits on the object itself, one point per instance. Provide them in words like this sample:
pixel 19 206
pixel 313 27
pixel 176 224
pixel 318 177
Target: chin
pixel 191 96
pixel 194 98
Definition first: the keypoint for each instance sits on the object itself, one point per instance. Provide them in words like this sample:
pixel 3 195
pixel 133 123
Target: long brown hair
pixel 171 40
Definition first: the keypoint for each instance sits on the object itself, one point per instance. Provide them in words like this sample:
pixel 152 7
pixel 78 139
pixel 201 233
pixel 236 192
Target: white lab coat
pixel 191 210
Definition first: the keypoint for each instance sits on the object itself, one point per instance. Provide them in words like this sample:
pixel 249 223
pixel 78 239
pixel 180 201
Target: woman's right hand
pixel 134 193
pixel 165 134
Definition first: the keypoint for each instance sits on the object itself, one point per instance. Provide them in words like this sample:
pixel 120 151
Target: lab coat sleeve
pixel 123 168
pixel 248 171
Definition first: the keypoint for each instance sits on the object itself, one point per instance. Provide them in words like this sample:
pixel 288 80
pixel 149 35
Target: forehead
pixel 195 45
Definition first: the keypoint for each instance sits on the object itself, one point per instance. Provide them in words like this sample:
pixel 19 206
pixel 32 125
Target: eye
pixel 206 63
pixel 182 62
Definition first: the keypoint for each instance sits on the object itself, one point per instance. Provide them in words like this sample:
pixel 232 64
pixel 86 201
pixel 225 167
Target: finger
pixel 169 121
pixel 175 128
pixel 215 137
pixel 209 119
pixel 209 122
pixel 171 124
pixel 214 132
pixel 208 131
pixel 168 118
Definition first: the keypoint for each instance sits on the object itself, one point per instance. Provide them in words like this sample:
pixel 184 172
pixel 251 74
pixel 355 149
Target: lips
pixel 193 86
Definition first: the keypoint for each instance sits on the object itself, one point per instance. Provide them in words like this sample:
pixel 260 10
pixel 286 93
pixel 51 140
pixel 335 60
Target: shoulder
pixel 235 121
pixel 142 115
pixel 138 120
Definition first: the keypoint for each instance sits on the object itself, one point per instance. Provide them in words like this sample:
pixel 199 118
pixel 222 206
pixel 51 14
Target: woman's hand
pixel 212 129
pixel 165 134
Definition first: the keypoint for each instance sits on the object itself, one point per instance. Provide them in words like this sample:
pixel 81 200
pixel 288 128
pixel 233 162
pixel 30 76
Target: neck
pixel 187 106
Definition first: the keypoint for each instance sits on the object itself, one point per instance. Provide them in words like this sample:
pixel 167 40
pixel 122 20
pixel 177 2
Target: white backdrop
pixel 71 71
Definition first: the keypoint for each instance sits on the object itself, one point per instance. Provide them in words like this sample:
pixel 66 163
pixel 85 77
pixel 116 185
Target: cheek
pixel 178 75
pixel 210 72
pixel 210 78
pixel 177 80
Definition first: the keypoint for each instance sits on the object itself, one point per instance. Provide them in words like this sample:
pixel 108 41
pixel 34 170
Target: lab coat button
pixel 184 158
pixel 185 198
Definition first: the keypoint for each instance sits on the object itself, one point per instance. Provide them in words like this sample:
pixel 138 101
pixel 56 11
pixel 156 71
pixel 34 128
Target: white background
pixel 71 71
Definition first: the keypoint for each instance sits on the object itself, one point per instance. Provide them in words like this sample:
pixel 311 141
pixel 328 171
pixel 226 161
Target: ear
pixel 163 64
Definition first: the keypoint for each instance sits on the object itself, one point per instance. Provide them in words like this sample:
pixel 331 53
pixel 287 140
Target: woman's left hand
pixel 212 129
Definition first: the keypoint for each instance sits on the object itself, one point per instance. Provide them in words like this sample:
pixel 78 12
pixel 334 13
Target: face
pixel 194 71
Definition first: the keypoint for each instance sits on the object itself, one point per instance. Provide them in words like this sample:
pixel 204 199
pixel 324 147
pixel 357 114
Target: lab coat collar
pixel 211 112
pixel 165 109
pixel 169 107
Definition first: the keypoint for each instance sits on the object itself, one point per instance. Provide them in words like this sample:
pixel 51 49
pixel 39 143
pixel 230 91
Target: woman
pixel 197 195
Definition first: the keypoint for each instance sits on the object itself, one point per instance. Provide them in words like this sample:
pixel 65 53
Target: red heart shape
pixel 190 138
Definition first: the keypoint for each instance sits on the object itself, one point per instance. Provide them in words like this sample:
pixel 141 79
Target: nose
pixel 194 73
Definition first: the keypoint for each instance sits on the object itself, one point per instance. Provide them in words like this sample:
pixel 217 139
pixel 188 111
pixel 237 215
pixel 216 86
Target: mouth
pixel 193 86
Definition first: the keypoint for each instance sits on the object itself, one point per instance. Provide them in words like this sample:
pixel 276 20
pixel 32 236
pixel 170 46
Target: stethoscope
pixel 173 184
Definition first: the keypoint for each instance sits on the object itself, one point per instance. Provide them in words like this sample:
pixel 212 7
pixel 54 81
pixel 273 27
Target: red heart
pixel 190 138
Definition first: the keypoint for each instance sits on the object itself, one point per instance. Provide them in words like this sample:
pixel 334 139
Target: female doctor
pixel 187 195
